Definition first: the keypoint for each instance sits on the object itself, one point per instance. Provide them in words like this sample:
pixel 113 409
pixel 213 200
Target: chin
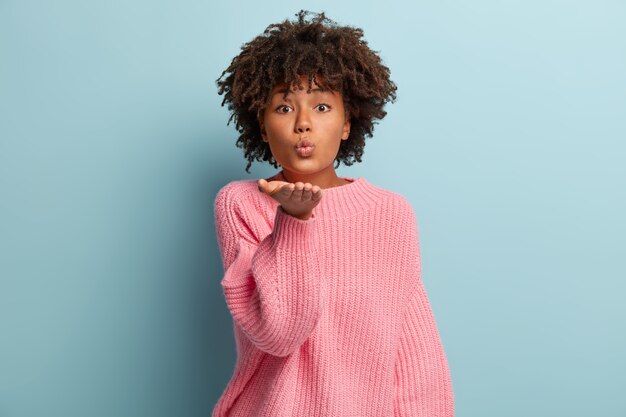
pixel 302 166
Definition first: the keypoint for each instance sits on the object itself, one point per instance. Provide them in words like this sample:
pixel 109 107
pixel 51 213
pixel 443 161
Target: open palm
pixel 297 199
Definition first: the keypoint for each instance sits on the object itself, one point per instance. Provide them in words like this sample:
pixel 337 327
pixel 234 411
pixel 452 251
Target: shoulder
pixel 238 209
pixel 401 203
pixel 234 193
pixel 394 212
pixel 238 194
pixel 403 216
pixel 240 197
pixel 394 202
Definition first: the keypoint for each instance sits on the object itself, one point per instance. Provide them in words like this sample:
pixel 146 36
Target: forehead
pixel 315 87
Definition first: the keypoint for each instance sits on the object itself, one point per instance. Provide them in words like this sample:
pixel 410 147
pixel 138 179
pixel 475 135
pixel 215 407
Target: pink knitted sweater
pixel 330 315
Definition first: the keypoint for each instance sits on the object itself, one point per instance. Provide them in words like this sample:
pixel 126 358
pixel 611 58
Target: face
pixel 318 117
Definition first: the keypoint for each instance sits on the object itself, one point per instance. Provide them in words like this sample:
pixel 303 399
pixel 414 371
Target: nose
pixel 303 122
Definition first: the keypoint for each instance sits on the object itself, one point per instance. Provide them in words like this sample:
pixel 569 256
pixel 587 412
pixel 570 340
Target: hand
pixel 297 199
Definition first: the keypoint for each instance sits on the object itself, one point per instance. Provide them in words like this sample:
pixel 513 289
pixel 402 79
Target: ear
pixel 346 129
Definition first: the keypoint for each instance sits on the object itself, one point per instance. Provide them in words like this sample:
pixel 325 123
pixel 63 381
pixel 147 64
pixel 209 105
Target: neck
pixel 321 179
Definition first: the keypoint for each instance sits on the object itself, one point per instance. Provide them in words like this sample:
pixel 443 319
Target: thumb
pixel 262 185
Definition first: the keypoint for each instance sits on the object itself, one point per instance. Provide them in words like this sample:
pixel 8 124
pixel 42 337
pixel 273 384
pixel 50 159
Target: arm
pixel 423 387
pixel 272 288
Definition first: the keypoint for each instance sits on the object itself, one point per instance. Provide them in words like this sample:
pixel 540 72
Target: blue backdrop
pixel 507 137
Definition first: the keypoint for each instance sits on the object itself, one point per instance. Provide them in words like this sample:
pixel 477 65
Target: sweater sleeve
pixel 423 385
pixel 273 288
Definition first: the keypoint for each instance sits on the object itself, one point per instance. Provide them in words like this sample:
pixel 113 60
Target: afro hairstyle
pixel 315 48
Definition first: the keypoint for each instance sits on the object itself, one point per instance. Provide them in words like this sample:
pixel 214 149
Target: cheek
pixel 274 124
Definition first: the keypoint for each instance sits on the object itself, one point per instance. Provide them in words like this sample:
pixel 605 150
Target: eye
pixel 326 107
pixel 282 106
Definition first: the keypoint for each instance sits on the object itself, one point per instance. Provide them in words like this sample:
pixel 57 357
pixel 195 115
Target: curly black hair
pixel 319 48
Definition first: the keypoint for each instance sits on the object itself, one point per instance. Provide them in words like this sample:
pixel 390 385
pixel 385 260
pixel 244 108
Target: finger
pixel 297 193
pixel 316 193
pixel 306 192
pixel 261 185
pixel 264 187
pixel 284 189
pixel 278 189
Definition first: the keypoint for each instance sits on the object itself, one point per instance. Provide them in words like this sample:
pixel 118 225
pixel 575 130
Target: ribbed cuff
pixel 290 231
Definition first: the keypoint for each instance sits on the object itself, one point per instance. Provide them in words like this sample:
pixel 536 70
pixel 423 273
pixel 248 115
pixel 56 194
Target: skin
pixel 318 116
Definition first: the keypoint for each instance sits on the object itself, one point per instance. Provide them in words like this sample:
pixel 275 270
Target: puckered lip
pixel 304 142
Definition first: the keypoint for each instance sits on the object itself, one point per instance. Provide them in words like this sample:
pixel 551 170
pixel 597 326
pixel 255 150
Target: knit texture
pixel 330 315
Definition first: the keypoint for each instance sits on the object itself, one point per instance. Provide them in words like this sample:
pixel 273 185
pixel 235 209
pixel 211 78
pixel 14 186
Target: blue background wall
pixel 507 137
